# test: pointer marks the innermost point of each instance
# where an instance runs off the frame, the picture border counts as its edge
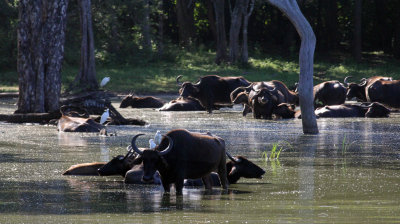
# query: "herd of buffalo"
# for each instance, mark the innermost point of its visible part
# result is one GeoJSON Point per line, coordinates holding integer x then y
{"type": "Point", "coordinates": [187, 158]}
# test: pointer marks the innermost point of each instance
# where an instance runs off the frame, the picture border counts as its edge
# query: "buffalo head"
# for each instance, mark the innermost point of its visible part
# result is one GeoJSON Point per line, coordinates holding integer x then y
{"type": "Point", "coordinates": [127, 101]}
{"type": "Point", "coordinates": [187, 89]}
{"type": "Point", "coordinates": [285, 110]}
{"type": "Point", "coordinates": [119, 164]}
{"type": "Point", "coordinates": [152, 158]}
{"type": "Point", "coordinates": [377, 110]}
{"type": "Point", "coordinates": [354, 89]}
{"type": "Point", "coordinates": [239, 166]}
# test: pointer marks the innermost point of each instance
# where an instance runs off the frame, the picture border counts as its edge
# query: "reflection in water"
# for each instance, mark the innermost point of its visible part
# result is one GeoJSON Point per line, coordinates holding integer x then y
{"type": "Point", "coordinates": [71, 139]}
{"type": "Point", "coordinates": [104, 150]}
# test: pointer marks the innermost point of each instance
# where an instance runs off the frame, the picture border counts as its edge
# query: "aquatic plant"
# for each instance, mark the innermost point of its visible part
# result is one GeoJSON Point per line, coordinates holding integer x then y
{"type": "Point", "coordinates": [346, 145]}
{"type": "Point", "coordinates": [275, 152]}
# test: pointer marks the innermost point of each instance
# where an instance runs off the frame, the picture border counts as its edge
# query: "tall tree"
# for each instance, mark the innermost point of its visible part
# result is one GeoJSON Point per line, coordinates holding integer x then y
{"type": "Point", "coordinates": [185, 14]}
{"type": "Point", "coordinates": [41, 37]}
{"type": "Point", "coordinates": [219, 9]}
{"type": "Point", "coordinates": [357, 30]}
{"type": "Point", "coordinates": [234, 30]}
{"type": "Point", "coordinates": [246, 15]}
{"type": "Point", "coordinates": [86, 78]}
{"type": "Point", "coordinates": [306, 61]}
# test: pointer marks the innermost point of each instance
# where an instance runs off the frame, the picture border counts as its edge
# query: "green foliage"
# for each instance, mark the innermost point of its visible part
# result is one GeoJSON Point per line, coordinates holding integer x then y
{"type": "Point", "coordinates": [276, 150]}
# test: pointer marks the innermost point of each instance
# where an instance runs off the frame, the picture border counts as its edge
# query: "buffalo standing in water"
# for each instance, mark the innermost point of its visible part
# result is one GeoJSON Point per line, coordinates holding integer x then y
{"type": "Point", "coordinates": [184, 155]}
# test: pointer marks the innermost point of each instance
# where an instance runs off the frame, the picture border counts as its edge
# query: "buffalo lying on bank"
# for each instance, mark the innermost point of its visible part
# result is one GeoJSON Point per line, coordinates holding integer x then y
{"type": "Point", "coordinates": [141, 102]}
{"type": "Point", "coordinates": [385, 92]}
{"type": "Point", "coordinates": [182, 104]}
{"type": "Point", "coordinates": [349, 110]}
{"type": "Point", "coordinates": [359, 91]}
{"type": "Point", "coordinates": [183, 155]}
{"type": "Point", "coordinates": [77, 121]}
{"type": "Point", "coordinates": [329, 93]}
{"type": "Point", "coordinates": [211, 90]}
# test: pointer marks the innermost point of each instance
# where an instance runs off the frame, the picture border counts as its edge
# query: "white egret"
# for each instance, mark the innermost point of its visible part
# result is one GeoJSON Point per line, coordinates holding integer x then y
{"type": "Point", "coordinates": [104, 116]}
{"type": "Point", "coordinates": [104, 81]}
{"type": "Point", "coordinates": [152, 144]}
{"type": "Point", "coordinates": [158, 137]}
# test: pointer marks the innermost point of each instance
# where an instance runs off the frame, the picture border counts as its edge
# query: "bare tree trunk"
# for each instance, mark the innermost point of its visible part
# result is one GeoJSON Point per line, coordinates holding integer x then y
{"type": "Point", "coordinates": [306, 61]}
{"type": "Point", "coordinates": [185, 14]}
{"type": "Point", "coordinates": [146, 26]}
{"type": "Point", "coordinates": [236, 23]}
{"type": "Point", "coordinates": [357, 30]}
{"type": "Point", "coordinates": [219, 8]}
{"type": "Point", "coordinates": [246, 15]}
{"type": "Point", "coordinates": [160, 43]}
{"type": "Point", "coordinates": [41, 37]}
{"type": "Point", "coordinates": [86, 78]}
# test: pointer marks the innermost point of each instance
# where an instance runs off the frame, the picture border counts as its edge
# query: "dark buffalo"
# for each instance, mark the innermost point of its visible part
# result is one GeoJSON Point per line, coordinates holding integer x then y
{"type": "Point", "coordinates": [212, 89]}
{"type": "Point", "coordinates": [236, 168]}
{"type": "Point", "coordinates": [141, 102]}
{"type": "Point", "coordinates": [329, 93]}
{"type": "Point", "coordinates": [359, 90]}
{"type": "Point", "coordinates": [87, 169]}
{"type": "Point", "coordinates": [385, 92]}
{"type": "Point", "coordinates": [285, 111]}
{"type": "Point", "coordinates": [184, 155]}
{"type": "Point", "coordinates": [351, 110]}
{"type": "Point", "coordinates": [183, 104]}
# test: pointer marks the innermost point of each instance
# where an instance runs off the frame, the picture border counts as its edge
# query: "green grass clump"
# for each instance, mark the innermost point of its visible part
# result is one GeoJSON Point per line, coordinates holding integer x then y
{"type": "Point", "coordinates": [275, 151]}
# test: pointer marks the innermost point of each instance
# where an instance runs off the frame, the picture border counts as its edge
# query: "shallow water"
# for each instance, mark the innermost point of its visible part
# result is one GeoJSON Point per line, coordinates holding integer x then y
{"type": "Point", "coordinates": [349, 173]}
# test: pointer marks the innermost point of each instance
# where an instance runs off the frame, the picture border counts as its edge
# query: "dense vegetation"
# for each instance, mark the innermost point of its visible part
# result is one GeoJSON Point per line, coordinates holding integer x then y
{"type": "Point", "coordinates": [123, 53]}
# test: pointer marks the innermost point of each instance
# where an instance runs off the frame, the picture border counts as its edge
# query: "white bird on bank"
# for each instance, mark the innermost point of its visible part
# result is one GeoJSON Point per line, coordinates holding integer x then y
{"type": "Point", "coordinates": [104, 81]}
{"type": "Point", "coordinates": [104, 116]}
{"type": "Point", "coordinates": [152, 144]}
{"type": "Point", "coordinates": [157, 137]}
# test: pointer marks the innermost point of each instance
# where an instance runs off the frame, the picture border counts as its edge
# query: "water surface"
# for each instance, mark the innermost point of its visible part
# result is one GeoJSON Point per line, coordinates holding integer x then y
{"type": "Point", "coordinates": [349, 173]}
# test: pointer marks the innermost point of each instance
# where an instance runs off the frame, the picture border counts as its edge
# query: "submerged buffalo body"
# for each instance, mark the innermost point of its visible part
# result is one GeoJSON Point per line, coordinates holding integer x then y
{"type": "Point", "coordinates": [183, 104]}
{"type": "Point", "coordinates": [236, 168]}
{"type": "Point", "coordinates": [350, 110]}
{"type": "Point", "coordinates": [78, 124]}
{"type": "Point", "coordinates": [212, 89]}
{"type": "Point", "coordinates": [141, 102]}
{"type": "Point", "coordinates": [385, 92]}
{"type": "Point", "coordinates": [329, 93]}
{"type": "Point", "coordinates": [184, 155]}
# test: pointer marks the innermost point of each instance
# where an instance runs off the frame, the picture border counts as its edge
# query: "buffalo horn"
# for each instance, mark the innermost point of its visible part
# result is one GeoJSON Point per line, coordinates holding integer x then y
{"type": "Point", "coordinates": [133, 144]}
{"type": "Point", "coordinates": [363, 82]}
{"type": "Point", "coordinates": [170, 145]}
{"type": "Point", "coordinates": [346, 80]}
{"type": "Point", "coordinates": [177, 80]}
{"type": "Point", "coordinates": [230, 157]}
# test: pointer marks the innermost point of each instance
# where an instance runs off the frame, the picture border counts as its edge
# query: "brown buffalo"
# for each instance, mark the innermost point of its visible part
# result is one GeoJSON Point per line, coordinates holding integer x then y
{"type": "Point", "coordinates": [86, 169]}
{"type": "Point", "coordinates": [385, 92]}
{"type": "Point", "coordinates": [329, 93]}
{"type": "Point", "coordinates": [141, 102]}
{"type": "Point", "coordinates": [78, 124]}
{"type": "Point", "coordinates": [359, 91]}
{"type": "Point", "coordinates": [184, 155]}
{"type": "Point", "coordinates": [351, 110]}
{"type": "Point", "coordinates": [211, 90]}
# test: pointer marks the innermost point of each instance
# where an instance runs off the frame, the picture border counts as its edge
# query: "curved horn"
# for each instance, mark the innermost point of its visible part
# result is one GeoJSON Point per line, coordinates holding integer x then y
{"type": "Point", "coordinates": [346, 80]}
{"type": "Point", "coordinates": [170, 145]}
{"type": "Point", "coordinates": [230, 157]}
{"type": "Point", "coordinates": [363, 82]}
{"type": "Point", "coordinates": [133, 144]}
{"type": "Point", "coordinates": [177, 80]}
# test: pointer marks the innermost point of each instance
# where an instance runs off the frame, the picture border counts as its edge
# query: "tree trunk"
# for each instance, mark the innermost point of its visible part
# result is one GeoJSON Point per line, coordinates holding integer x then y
{"type": "Point", "coordinates": [382, 26]}
{"type": "Point", "coordinates": [160, 37]}
{"type": "Point", "coordinates": [236, 23]}
{"type": "Point", "coordinates": [357, 30]}
{"type": "Point", "coordinates": [185, 14]}
{"type": "Point", "coordinates": [306, 61]}
{"type": "Point", "coordinates": [246, 15]}
{"type": "Point", "coordinates": [146, 26]}
{"type": "Point", "coordinates": [219, 8]}
{"type": "Point", "coordinates": [86, 78]}
{"type": "Point", "coordinates": [41, 37]}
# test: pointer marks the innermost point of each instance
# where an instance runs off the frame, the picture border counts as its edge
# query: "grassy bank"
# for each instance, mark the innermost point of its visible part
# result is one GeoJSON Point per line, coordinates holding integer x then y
{"type": "Point", "coordinates": [159, 77]}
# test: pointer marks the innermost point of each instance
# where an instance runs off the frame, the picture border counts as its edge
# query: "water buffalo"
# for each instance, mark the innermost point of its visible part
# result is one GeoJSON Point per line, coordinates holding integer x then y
{"type": "Point", "coordinates": [236, 168]}
{"type": "Point", "coordinates": [211, 89]}
{"type": "Point", "coordinates": [385, 92]}
{"type": "Point", "coordinates": [329, 93]}
{"type": "Point", "coordinates": [351, 110]}
{"type": "Point", "coordinates": [359, 91]}
{"type": "Point", "coordinates": [78, 124]}
{"type": "Point", "coordinates": [285, 111]}
{"type": "Point", "coordinates": [183, 104]}
{"type": "Point", "coordinates": [141, 102]}
{"type": "Point", "coordinates": [184, 155]}
{"type": "Point", "coordinates": [87, 169]}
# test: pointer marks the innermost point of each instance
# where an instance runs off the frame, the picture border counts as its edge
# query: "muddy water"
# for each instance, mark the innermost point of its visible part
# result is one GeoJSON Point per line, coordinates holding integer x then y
{"type": "Point", "coordinates": [349, 173]}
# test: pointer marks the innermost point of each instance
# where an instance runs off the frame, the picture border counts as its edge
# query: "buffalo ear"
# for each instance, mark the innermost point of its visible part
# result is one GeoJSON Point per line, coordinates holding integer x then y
{"type": "Point", "coordinates": [138, 160]}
